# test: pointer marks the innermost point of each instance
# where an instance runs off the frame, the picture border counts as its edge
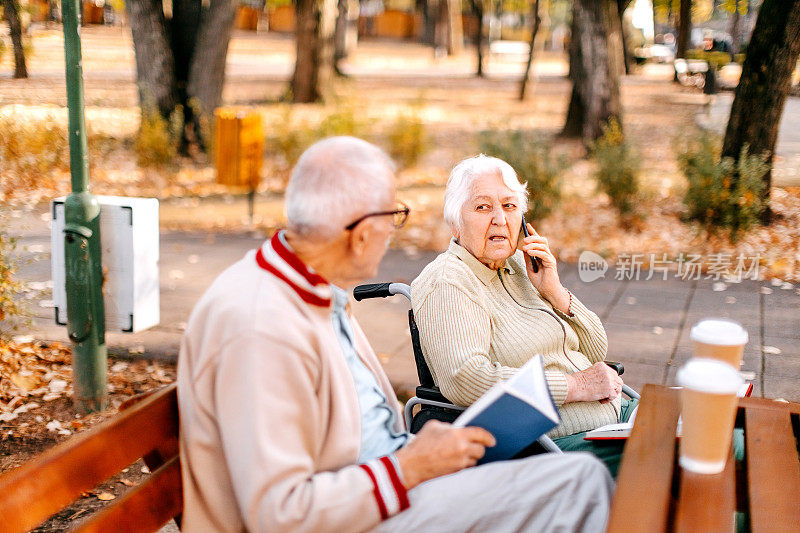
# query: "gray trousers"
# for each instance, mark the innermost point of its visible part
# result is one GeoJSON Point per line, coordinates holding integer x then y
{"type": "Point", "coordinates": [562, 493]}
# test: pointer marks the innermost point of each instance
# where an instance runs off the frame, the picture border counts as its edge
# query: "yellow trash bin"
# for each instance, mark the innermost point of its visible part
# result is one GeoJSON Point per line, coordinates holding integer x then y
{"type": "Point", "coordinates": [238, 147]}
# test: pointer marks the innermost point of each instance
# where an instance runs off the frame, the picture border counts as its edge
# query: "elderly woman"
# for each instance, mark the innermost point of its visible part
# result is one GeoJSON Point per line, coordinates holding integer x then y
{"type": "Point", "coordinates": [483, 311]}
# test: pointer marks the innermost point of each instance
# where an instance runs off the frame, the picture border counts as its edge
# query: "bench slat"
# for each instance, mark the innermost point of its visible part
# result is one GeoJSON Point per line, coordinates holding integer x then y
{"type": "Point", "coordinates": [773, 470]}
{"type": "Point", "coordinates": [707, 502]}
{"type": "Point", "coordinates": [34, 491]}
{"type": "Point", "coordinates": [646, 469]}
{"type": "Point", "coordinates": [143, 509]}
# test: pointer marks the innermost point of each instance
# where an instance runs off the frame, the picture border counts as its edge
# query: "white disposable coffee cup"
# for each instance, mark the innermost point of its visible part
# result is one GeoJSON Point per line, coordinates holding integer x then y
{"type": "Point", "coordinates": [719, 338]}
{"type": "Point", "coordinates": [708, 412]}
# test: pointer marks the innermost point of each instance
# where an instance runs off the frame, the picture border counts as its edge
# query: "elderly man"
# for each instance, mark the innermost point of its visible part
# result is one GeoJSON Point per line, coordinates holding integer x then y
{"type": "Point", "coordinates": [288, 422]}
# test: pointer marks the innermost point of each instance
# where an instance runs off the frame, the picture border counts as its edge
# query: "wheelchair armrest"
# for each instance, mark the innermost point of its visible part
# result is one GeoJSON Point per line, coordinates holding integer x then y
{"type": "Point", "coordinates": [431, 393]}
{"type": "Point", "coordinates": [618, 367]}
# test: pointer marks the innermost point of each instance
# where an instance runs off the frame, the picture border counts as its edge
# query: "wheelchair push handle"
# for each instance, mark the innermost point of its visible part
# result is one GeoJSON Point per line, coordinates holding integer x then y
{"type": "Point", "coordinates": [381, 290]}
{"type": "Point", "coordinates": [371, 290]}
{"type": "Point", "coordinates": [619, 368]}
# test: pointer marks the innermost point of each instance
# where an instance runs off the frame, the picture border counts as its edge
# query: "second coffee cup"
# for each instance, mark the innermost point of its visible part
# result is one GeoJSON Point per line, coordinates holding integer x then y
{"type": "Point", "coordinates": [721, 339]}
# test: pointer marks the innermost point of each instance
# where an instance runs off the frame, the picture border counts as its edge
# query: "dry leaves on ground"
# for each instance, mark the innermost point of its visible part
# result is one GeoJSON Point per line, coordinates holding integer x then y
{"type": "Point", "coordinates": [33, 375]}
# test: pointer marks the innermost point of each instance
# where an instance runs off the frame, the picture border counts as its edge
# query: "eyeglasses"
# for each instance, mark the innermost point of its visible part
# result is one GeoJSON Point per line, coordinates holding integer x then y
{"type": "Point", "coordinates": [399, 216]}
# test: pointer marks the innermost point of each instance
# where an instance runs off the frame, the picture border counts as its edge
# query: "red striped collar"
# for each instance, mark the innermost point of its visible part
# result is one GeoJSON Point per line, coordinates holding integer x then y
{"type": "Point", "coordinates": [275, 257]}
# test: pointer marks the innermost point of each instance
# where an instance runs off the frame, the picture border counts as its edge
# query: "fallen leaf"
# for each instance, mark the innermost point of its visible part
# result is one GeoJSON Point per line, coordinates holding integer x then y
{"type": "Point", "coordinates": [658, 330]}
{"type": "Point", "coordinates": [127, 482]}
{"type": "Point", "coordinates": [719, 286]}
{"type": "Point", "coordinates": [24, 382]}
{"type": "Point", "coordinates": [57, 385]}
{"type": "Point", "coordinates": [105, 496]}
{"type": "Point", "coordinates": [771, 350]}
{"type": "Point", "coordinates": [25, 408]}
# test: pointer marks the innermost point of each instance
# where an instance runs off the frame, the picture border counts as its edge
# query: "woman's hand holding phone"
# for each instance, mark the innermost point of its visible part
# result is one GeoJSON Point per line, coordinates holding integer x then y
{"type": "Point", "coordinates": [542, 269]}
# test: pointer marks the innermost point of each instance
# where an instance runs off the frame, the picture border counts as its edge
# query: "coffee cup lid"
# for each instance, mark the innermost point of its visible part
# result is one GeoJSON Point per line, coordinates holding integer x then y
{"type": "Point", "coordinates": [719, 331]}
{"type": "Point", "coordinates": [709, 375]}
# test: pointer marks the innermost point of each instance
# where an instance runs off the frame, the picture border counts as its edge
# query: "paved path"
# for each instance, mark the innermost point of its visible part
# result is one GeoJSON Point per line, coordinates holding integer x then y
{"type": "Point", "coordinates": [787, 162]}
{"type": "Point", "coordinates": [647, 322]}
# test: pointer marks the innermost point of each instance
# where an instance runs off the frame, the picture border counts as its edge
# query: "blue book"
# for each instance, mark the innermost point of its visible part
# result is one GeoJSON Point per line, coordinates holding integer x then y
{"type": "Point", "coordinates": [517, 412]}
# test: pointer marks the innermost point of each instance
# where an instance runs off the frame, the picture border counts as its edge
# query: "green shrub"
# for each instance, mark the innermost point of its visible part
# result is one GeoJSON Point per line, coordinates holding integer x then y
{"type": "Point", "coordinates": [408, 139]}
{"type": "Point", "coordinates": [12, 312]}
{"type": "Point", "coordinates": [617, 169]}
{"type": "Point", "coordinates": [342, 121]}
{"type": "Point", "coordinates": [157, 139]}
{"type": "Point", "coordinates": [722, 193]}
{"type": "Point", "coordinates": [530, 156]}
{"type": "Point", "coordinates": [290, 137]}
{"type": "Point", "coordinates": [716, 58]}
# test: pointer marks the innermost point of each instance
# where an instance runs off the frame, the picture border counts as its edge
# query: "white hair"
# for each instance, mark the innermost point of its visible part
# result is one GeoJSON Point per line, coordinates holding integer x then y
{"type": "Point", "coordinates": [334, 182]}
{"type": "Point", "coordinates": [464, 174]}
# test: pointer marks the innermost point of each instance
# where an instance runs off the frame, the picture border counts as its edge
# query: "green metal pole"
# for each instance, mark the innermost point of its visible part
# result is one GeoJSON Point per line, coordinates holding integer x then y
{"type": "Point", "coordinates": [84, 274]}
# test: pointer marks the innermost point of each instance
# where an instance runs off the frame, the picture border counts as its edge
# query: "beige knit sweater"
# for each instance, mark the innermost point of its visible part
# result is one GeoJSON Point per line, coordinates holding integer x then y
{"type": "Point", "coordinates": [478, 326]}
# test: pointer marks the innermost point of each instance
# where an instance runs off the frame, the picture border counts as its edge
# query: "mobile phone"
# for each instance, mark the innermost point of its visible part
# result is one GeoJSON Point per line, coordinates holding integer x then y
{"type": "Point", "coordinates": [534, 260]}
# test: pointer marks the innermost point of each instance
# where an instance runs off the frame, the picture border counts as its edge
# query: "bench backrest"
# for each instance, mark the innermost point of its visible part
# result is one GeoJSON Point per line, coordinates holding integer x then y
{"type": "Point", "coordinates": [146, 429]}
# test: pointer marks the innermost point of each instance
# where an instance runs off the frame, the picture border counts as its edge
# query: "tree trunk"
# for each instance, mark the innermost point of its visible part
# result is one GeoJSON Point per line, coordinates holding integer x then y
{"type": "Point", "coordinates": [595, 63]}
{"type": "Point", "coordinates": [449, 33]}
{"type": "Point", "coordinates": [340, 36]}
{"type": "Point", "coordinates": [622, 5]}
{"type": "Point", "coordinates": [477, 9]}
{"type": "Point", "coordinates": [440, 26]}
{"type": "Point", "coordinates": [207, 67]}
{"type": "Point", "coordinates": [346, 33]}
{"type": "Point", "coordinates": [534, 30]}
{"type": "Point", "coordinates": [181, 64]}
{"type": "Point", "coordinates": [155, 63]}
{"type": "Point", "coordinates": [455, 28]}
{"type": "Point", "coordinates": [765, 82]}
{"type": "Point", "coordinates": [316, 21]}
{"type": "Point", "coordinates": [15, 27]}
{"type": "Point", "coordinates": [183, 38]}
{"type": "Point", "coordinates": [430, 14]}
{"type": "Point", "coordinates": [684, 28]}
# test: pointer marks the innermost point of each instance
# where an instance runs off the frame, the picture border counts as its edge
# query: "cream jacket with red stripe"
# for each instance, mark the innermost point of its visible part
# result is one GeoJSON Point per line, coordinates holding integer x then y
{"type": "Point", "coordinates": [270, 428]}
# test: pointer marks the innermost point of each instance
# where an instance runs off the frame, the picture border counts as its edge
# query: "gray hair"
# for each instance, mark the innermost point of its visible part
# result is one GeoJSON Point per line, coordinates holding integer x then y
{"type": "Point", "coordinates": [464, 174]}
{"type": "Point", "coordinates": [335, 181]}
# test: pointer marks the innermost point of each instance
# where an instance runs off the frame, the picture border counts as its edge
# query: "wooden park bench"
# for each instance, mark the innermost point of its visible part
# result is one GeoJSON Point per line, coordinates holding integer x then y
{"type": "Point", "coordinates": [147, 428]}
{"type": "Point", "coordinates": [765, 486]}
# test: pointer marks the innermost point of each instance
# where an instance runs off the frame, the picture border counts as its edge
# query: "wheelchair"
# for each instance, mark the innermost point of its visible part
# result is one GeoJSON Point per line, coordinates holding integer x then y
{"type": "Point", "coordinates": [433, 404]}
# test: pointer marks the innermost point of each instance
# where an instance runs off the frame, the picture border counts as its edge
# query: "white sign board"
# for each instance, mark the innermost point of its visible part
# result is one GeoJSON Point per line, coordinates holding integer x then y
{"type": "Point", "coordinates": [130, 247]}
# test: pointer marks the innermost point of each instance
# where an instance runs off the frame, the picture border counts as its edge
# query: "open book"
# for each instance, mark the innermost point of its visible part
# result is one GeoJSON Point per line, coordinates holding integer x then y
{"type": "Point", "coordinates": [517, 412]}
{"type": "Point", "coordinates": [623, 429]}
